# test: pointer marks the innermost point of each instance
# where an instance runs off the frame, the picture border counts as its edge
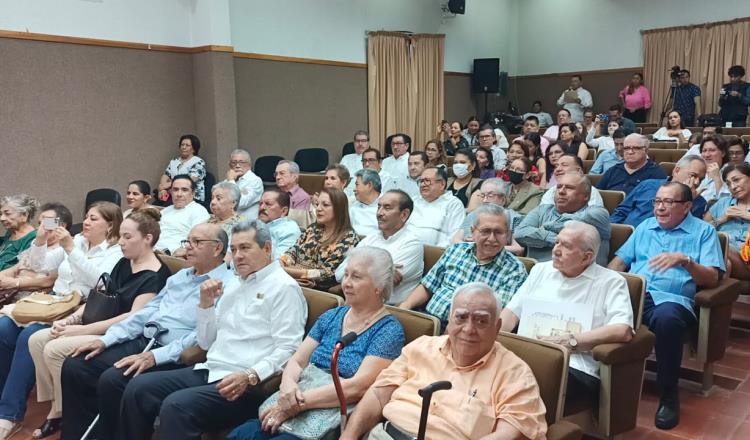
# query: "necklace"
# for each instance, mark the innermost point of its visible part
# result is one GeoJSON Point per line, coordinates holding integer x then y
{"type": "Point", "coordinates": [362, 326]}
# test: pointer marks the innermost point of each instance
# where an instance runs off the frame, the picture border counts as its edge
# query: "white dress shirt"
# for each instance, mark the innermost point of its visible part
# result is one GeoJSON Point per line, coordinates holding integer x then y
{"type": "Point", "coordinates": [502, 141]}
{"type": "Point", "coordinates": [410, 186]}
{"type": "Point", "coordinates": [406, 251]}
{"type": "Point", "coordinates": [257, 323]}
{"type": "Point", "coordinates": [353, 163]}
{"type": "Point", "coordinates": [595, 200]}
{"type": "Point", "coordinates": [576, 109]}
{"type": "Point", "coordinates": [398, 168]}
{"type": "Point", "coordinates": [499, 158]}
{"type": "Point", "coordinates": [251, 188]}
{"type": "Point", "coordinates": [78, 271]}
{"type": "Point", "coordinates": [604, 289]}
{"type": "Point", "coordinates": [434, 223]}
{"type": "Point", "coordinates": [176, 224]}
{"type": "Point", "coordinates": [388, 181]}
{"type": "Point", "coordinates": [364, 217]}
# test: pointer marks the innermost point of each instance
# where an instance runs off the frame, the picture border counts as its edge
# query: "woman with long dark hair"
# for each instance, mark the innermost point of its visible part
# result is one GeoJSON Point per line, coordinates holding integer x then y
{"type": "Point", "coordinates": [636, 99]}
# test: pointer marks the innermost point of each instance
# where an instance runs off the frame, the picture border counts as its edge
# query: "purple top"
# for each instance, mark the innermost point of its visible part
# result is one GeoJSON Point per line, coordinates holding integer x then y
{"type": "Point", "coordinates": [299, 198]}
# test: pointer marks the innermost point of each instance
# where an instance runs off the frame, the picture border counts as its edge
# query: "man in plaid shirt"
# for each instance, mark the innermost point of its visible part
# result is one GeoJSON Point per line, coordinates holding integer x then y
{"type": "Point", "coordinates": [484, 260]}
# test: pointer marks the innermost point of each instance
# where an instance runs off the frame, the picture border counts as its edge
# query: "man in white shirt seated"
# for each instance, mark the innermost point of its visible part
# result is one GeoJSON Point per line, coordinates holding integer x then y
{"type": "Point", "coordinates": [363, 211]}
{"type": "Point", "coordinates": [353, 161]}
{"type": "Point", "coordinates": [570, 163]}
{"type": "Point", "coordinates": [488, 139]}
{"type": "Point", "coordinates": [397, 165]}
{"type": "Point", "coordinates": [251, 327]}
{"type": "Point", "coordinates": [573, 279]}
{"type": "Point", "coordinates": [575, 99]}
{"type": "Point", "coordinates": [553, 131]}
{"type": "Point", "coordinates": [178, 219]}
{"type": "Point", "coordinates": [274, 212]}
{"type": "Point", "coordinates": [543, 118]}
{"type": "Point", "coordinates": [407, 252]}
{"type": "Point", "coordinates": [373, 160]}
{"type": "Point", "coordinates": [251, 186]}
{"type": "Point", "coordinates": [437, 213]}
{"type": "Point", "coordinates": [417, 162]}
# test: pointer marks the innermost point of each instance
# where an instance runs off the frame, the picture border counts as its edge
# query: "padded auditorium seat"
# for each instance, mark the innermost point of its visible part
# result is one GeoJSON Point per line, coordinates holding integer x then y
{"type": "Point", "coordinates": [265, 166]}
{"type": "Point", "coordinates": [311, 160]}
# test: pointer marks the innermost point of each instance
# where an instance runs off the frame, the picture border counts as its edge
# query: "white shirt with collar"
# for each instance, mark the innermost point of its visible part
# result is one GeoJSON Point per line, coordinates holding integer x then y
{"type": "Point", "coordinates": [604, 289]}
{"type": "Point", "coordinates": [257, 323]}
{"type": "Point", "coordinates": [595, 200]}
{"type": "Point", "coordinates": [406, 250]}
{"type": "Point", "coordinates": [576, 109]}
{"type": "Point", "coordinates": [388, 181]}
{"type": "Point", "coordinates": [176, 224]}
{"type": "Point", "coordinates": [364, 217]}
{"type": "Point", "coordinates": [434, 223]}
{"type": "Point", "coordinates": [78, 271]}
{"type": "Point", "coordinates": [410, 186]}
{"type": "Point", "coordinates": [398, 168]}
{"type": "Point", "coordinates": [251, 189]}
{"type": "Point", "coordinates": [353, 163]}
{"type": "Point", "coordinates": [499, 158]}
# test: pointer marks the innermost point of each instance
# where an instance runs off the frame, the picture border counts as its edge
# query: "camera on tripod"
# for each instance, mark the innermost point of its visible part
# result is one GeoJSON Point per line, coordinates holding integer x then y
{"type": "Point", "coordinates": [674, 74]}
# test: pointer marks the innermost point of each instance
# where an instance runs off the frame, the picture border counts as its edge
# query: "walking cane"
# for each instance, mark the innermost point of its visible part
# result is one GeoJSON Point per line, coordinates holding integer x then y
{"type": "Point", "coordinates": [158, 330]}
{"type": "Point", "coordinates": [426, 394]}
{"type": "Point", "coordinates": [343, 342]}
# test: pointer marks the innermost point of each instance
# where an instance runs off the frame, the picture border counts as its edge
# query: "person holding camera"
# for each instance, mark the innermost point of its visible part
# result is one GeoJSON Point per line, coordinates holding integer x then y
{"type": "Point", "coordinates": [687, 97]}
{"type": "Point", "coordinates": [734, 98]}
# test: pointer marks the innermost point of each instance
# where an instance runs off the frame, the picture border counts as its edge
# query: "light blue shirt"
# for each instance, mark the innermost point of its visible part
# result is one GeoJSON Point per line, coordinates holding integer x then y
{"type": "Point", "coordinates": [736, 228]}
{"type": "Point", "coordinates": [707, 188]}
{"type": "Point", "coordinates": [693, 237]}
{"type": "Point", "coordinates": [605, 160]}
{"type": "Point", "coordinates": [284, 234]}
{"type": "Point", "coordinates": [175, 309]}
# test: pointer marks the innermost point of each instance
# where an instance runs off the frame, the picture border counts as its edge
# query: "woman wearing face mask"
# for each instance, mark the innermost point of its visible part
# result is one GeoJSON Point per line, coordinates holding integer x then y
{"type": "Point", "coordinates": [536, 157]}
{"type": "Point", "coordinates": [465, 170]}
{"type": "Point", "coordinates": [485, 163]}
{"type": "Point", "coordinates": [524, 195]}
{"type": "Point", "coordinates": [602, 142]}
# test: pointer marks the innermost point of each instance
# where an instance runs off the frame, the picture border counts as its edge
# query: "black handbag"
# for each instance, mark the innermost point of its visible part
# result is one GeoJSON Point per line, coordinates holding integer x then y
{"type": "Point", "coordinates": [103, 301]}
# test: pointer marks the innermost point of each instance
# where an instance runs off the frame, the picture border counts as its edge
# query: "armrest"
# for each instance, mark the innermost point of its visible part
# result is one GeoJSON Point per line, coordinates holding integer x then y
{"type": "Point", "coordinates": [638, 348]}
{"type": "Point", "coordinates": [725, 293]}
{"type": "Point", "coordinates": [564, 430]}
{"type": "Point", "coordinates": [193, 355]}
{"type": "Point", "coordinates": [269, 386]}
{"type": "Point", "coordinates": [336, 290]}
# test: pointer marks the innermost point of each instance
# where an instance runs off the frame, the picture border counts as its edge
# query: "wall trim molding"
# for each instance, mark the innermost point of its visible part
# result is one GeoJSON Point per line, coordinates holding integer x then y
{"type": "Point", "coordinates": [579, 72]}
{"type": "Point", "coordinates": [286, 59]}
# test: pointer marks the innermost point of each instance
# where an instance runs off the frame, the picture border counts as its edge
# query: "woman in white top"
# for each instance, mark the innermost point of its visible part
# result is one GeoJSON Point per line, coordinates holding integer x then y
{"type": "Point", "coordinates": [602, 142]}
{"type": "Point", "coordinates": [137, 197]}
{"type": "Point", "coordinates": [674, 131]}
{"type": "Point", "coordinates": [188, 163]}
{"type": "Point", "coordinates": [79, 261]}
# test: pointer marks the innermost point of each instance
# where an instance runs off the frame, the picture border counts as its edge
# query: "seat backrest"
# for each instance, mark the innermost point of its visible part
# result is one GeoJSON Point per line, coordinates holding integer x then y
{"type": "Point", "coordinates": [668, 167]}
{"type": "Point", "coordinates": [103, 195]}
{"type": "Point", "coordinates": [594, 178]}
{"type": "Point", "coordinates": [311, 183]}
{"type": "Point", "coordinates": [173, 263]}
{"type": "Point", "coordinates": [208, 183]}
{"type": "Point", "coordinates": [587, 165]}
{"type": "Point", "coordinates": [637, 290]}
{"type": "Point", "coordinates": [528, 263]}
{"type": "Point", "coordinates": [724, 242]}
{"type": "Point", "coordinates": [611, 199]}
{"type": "Point", "coordinates": [431, 255]}
{"type": "Point", "coordinates": [311, 160]}
{"type": "Point", "coordinates": [649, 130]}
{"type": "Point", "coordinates": [265, 166]}
{"type": "Point", "coordinates": [620, 234]}
{"type": "Point", "coordinates": [663, 145]}
{"type": "Point", "coordinates": [662, 155]}
{"type": "Point", "coordinates": [591, 155]}
{"type": "Point", "coordinates": [347, 149]}
{"type": "Point", "coordinates": [318, 303]}
{"type": "Point", "coordinates": [549, 363]}
{"type": "Point", "coordinates": [415, 324]}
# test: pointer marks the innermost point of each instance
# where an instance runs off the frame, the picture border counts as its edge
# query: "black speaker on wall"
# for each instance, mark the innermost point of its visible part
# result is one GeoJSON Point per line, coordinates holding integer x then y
{"type": "Point", "coordinates": [457, 6]}
{"type": "Point", "coordinates": [486, 76]}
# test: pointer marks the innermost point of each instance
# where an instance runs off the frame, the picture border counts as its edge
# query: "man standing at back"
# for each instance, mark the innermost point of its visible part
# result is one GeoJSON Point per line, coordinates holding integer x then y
{"type": "Point", "coordinates": [251, 186]}
{"type": "Point", "coordinates": [287, 178]}
{"type": "Point", "coordinates": [398, 164]}
{"type": "Point", "coordinates": [177, 220]}
{"type": "Point", "coordinates": [575, 99]}
{"type": "Point", "coordinates": [687, 98]}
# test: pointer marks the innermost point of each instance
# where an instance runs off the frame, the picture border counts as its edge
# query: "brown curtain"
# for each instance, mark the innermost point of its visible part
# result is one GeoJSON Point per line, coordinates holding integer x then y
{"type": "Point", "coordinates": [707, 51]}
{"type": "Point", "coordinates": [404, 86]}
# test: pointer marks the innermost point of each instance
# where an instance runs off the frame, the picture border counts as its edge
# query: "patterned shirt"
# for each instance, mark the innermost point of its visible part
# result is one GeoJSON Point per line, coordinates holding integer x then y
{"type": "Point", "coordinates": [684, 101]}
{"type": "Point", "coordinates": [310, 254]}
{"type": "Point", "coordinates": [459, 265]}
{"type": "Point", "coordinates": [195, 167]}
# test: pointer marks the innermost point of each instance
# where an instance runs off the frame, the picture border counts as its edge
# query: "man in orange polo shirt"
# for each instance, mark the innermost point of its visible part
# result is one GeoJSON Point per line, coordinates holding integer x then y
{"type": "Point", "coordinates": [494, 393]}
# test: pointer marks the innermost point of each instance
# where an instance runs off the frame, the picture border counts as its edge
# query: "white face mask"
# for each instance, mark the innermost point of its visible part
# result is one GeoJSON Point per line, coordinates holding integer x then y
{"type": "Point", "coordinates": [460, 169]}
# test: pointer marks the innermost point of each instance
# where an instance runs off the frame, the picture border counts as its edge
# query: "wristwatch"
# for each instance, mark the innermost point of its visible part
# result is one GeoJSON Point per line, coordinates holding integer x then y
{"type": "Point", "coordinates": [252, 377]}
{"type": "Point", "coordinates": [688, 262]}
{"type": "Point", "coordinates": [573, 343]}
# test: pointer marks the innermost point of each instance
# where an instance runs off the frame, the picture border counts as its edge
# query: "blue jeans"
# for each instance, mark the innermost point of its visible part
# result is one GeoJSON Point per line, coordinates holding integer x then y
{"type": "Point", "coordinates": [251, 430]}
{"type": "Point", "coordinates": [16, 368]}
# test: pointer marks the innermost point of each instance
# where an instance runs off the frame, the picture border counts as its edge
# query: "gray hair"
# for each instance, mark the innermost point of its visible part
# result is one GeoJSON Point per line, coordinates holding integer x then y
{"type": "Point", "coordinates": [687, 160]}
{"type": "Point", "coordinates": [262, 233]}
{"type": "Point", "coordinates": [478, 288]}
{"type": "Point", "coordinates": [293, 167]}
{"type": "Point", "coordinates": [241, 152]}
{"type": "Point", "coordinates": [23, 204]}
{"type": "Point", "coordinates": [584, 182]}
{"type": "Point", "coordinates": [639, 138]}
{"type": "Point", "coordinates": [369, 176]}
{"type": "Point", "coordinates": [232, 189]}
{"type": "Point", "coordinates": [379, 266]}
{"type": "Point", "coordinates": [499, 185]}
{"type": "Point", "coordinates": [588, 235]}
{"type": "Point", "coordinates": [491, 209]}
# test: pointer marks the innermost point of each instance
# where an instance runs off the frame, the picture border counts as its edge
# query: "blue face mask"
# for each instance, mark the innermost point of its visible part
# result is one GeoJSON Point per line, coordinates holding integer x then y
{"type": "Point", "coordinates": [460, 169]}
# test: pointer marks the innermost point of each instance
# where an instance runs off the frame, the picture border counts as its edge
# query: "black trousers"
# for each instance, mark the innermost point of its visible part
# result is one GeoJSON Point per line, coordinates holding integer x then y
{"type": "Point", "coordinates": [187, 406]}
{"type": "Point", "coordinates": [582, 384]}
{"type": "Point", "coordinates": [635, 116]}
{"type": "Point", "coordinates": [95, 386]}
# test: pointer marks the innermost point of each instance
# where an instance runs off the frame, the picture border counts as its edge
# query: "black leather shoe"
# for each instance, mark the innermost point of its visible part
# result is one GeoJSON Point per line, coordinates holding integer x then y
{"type": "Point", "coordinates": [668, 412]}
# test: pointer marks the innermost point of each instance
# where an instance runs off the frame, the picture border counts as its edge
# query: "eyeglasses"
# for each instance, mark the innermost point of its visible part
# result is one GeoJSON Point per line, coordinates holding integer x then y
{"type": "Point", "coordinates": [485, 233]}
{"type": "Point", "coordinates": [736, 153]}
{"type": "Point", "coordinates": [481, 320]}
{"type": "Point", "coordinates": [427, 181]}
{"type": "Point", "coordinates": [234, 163]}
{"type": "Point", "coordinates": [485, 136]}
{"type": "Point", "coordinates": [668, 203]}
{"type": "Point", "coordinates": [370, 160]}
{"type": "Point", "coordinates": [633, 148]}
{"type": "Point", "coordinates": [194, 242]}
{"type": "Point", "coordinates": [398, 143]}
{"type": "Point", "coordinates": [490, 195]}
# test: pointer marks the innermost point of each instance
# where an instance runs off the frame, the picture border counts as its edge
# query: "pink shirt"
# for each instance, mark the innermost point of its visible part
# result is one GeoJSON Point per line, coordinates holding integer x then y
{"type": "Point", "coordinates": [299, 198]}
{"type": "Point", "coordinates": [641, 98]}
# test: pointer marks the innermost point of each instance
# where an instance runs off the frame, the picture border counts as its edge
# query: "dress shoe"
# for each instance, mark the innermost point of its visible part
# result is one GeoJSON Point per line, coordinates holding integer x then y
{"type": "Point", "coordinates": [668, 412]}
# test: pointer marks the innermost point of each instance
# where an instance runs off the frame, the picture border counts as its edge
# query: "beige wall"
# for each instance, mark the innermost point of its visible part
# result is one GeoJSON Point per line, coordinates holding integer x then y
{"type": "Point", "coordinates": [77, 117]}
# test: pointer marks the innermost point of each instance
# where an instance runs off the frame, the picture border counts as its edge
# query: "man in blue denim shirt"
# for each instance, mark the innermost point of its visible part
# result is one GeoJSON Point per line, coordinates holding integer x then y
{"type": "Point", "coordinates": [676, 253]}
{"type": "Point", "coordinates": [112, 360]}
